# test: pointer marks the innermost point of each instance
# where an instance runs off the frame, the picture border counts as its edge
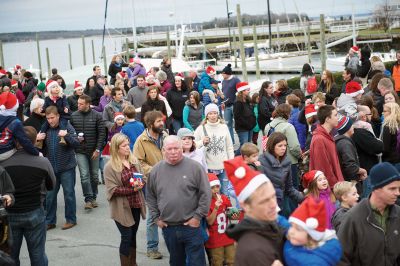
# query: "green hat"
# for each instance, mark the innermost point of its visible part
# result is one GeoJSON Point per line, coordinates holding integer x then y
{"type": "Point", "coordinates": [41, 86]}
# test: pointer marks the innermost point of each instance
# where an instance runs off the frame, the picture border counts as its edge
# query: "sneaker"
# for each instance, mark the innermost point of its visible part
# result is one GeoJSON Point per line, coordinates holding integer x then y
{"type": "Point", "coordinates": [95, 204]}
{"type": "Point", "coordinates": [88, 205]}
{"type": "Point", "coordinates": [68, 226]}
{"type": "Point", "coordinates": [154, 254]}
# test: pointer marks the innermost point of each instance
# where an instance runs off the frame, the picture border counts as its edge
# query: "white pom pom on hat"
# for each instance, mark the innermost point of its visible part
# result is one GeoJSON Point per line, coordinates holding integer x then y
{"type": "Point", "coordinates": [240, 172]}
{"type": "Point", "coordinates": [312, 223]}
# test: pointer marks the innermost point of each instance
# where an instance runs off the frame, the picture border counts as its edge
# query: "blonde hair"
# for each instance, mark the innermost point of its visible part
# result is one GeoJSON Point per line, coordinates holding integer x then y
{"type": "Point", "coordinates": [342, 188]}
{"type": "Point", "coordinates": [392, 121]}
{"type": "Point", "coordinates": [116, 162]}
{"type": "Point", "coordinates": [318, 95]}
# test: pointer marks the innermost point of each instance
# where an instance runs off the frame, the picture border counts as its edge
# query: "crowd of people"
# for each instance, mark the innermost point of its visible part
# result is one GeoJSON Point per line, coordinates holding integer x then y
{"type": "Point", "coordinates": [232, 176]}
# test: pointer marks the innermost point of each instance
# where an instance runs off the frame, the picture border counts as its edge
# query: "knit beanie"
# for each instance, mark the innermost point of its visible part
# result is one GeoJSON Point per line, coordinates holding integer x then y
{"type": "Point", "coordinates": [382, 174]}
{"type": "Point", "coordinates": [227, 70]}
{"type": "Point", "coordinates": [41, 86]}
{"type": "Point", "coordinates": [344, 124]}
{"type": "Point", "coordinates": [212, 107]}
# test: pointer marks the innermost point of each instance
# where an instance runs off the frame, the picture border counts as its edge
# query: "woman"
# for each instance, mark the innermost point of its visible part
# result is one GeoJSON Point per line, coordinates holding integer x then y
{"type": "Point", "coordinates": [115, 67]}
{"type": "Point", "coordinates": [213, 134]}
{"type": "Point", "coordinates": [165, 85]}
{"type": "Point", "coordinates": [243, 114]}
{"type": "Point", "coordinates": [125, 195]}
{"type": "Point", "coordinates": [177, 97]}
{"type": "Point", "coordinates": [37, 118]}
{"type": "Point", "coordinates": [189, 147]}
{"type": "Point", "coordinates": [267, 104]}
{"type": "Point", "coordinates": [300, 128]}
{"type": "Point", "coordinates": [391, 97]}
{"type": "Point", "coordinates": [120, 84]}
{"type": "Point", "coordinates": [376, 122]}
{"type": "Point", "coordinates": [104, 100]}
{"type": "Point", "coordinates": [277, 166]}
{"type": "Point", "coordinates": [328, 87]}
{"type": "Point", "coordinates": [153, 103]}
{"type": "Point", "coordinates": [390, 128]}
{"type": "Point", "coordinates": [193, 111]}
{"type": "Point", "coordinates": [306, 80]}
{"type": "Point", "coordinates": [282, 90]}
{"type": "Point", "coordinates": [167, 68]}
{"type": "Point", "coordinates": [73, 99]}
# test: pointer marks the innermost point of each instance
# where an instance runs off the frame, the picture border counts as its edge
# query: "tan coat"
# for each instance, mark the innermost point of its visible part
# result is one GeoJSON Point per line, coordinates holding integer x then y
{"type": "Point", "coordinates": [147, 152]}
{"type": "Point", "coordinates": [119, 206]}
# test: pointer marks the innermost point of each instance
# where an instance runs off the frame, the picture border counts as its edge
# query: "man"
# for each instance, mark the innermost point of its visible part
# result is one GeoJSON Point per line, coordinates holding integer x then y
{"type": "Point", "coordinates": [73, 99]}
{"type": "Point", "coordinates": [138, 95]}
{"type": "Point", "coordinates": [147, 150]}
{"type": "Point", "coordinates": [385, 85]}
{"type": "Point", "coordinates": [396, 73]}
{"type": "Point", "coordinates": [369, 233]}
{"type": "Point", "coordinates": [91, 134]}
{"type": "Point", "coordinates": [347, 153]}
{"type": "Point", "coordinates": [96, 73]}
{"type": "Point", "coordinates": [27, 216]}
{"type": "Point", "coordinates": [323, 153]}
{"type": "Point", "coordinates": [195, 78]}
{"type": "Point", "coordinates": [179, 196]}
{"type": "Point", "coordinates": [116, 105]}
{"type": "Point", "coordinates": [229, 90]}
{"type": "Point", "coordinates": [348, 75]}
{"type": "Point", "coordinates": [97, 91]}
{"type": "Point", "coordinates": [259, 238]}
{"type": "Point", "coordinates": [62, 158]}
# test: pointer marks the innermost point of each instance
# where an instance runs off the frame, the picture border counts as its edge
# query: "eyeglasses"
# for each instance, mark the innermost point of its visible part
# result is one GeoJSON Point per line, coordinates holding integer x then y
{"type": "Point", "coordinates": [368, 114]}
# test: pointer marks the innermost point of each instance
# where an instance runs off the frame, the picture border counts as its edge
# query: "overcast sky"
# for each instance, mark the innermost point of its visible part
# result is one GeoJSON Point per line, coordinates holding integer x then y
{"type": "Point", "coordinates": [41, 15]}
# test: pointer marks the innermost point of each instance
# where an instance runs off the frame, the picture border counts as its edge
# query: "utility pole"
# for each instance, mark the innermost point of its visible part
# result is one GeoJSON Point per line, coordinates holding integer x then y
{"type": "Point", "coordinates": [269, 26]}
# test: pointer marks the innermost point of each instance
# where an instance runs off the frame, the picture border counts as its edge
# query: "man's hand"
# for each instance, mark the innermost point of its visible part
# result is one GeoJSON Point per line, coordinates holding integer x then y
{"type": "Point", "coordinates": [65, 110]}
{"type": "Point", "coordinates": [161, 224]}
{"type": "Point", "coordinates": [362, 174]}
{"type": "Point", "coordinates": [193, 222]}
{"type": "Point", "coordinates": [62, 133]}
{"type": "Point", "coordinates": [7, 200]}
{"type": "Point", "coordinates": [40, 136]}
{"type": "Point", "coordinates": [95, 155]}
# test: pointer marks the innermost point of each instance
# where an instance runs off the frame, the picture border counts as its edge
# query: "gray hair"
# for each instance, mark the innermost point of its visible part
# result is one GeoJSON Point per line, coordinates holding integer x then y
{"type": "Point", "coordinates": [161, 75]}
{"type": "Point", "coordinates": [35, 103]}
{"type": "Point", "coordinates": [172, 139]}
{"type": "Point", "coordinates": [385, 83]}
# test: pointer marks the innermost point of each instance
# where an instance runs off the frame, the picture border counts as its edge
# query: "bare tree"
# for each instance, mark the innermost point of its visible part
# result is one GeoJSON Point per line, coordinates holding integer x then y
{"type": "Point", "coordinates": [384, 15]}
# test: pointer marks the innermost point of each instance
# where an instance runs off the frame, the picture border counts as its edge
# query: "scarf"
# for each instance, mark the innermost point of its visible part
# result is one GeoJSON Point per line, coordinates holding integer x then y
{"type": "Point", "coordinates": [117, 107]}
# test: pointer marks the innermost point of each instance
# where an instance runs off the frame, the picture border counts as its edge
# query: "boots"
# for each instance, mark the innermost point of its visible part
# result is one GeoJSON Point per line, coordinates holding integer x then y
{"type": "Point", "coordinates": [132, 257]}
{"type": "Point", "coordinates": [124, 260]}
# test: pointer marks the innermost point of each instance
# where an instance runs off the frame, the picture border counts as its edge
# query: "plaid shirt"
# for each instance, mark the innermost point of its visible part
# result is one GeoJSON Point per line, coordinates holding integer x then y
{"type": "Point", "coordinates": [134, 199]}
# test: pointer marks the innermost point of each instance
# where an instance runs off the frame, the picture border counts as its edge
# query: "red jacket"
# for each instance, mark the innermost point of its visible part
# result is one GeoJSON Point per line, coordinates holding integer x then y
{"type": "Point", "coordinates": [323, 156]}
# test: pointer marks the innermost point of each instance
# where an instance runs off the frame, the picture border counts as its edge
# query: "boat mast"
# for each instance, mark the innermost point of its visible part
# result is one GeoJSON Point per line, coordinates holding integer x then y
{"type": "Point", "coordinates": [104, 28]}
{"type": "Point", "coordinates": [134, 27]}
{"type": "Point", "coordinates": [269, 26]}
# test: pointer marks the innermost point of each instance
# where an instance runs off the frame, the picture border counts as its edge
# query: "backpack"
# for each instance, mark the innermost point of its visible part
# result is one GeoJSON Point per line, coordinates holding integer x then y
{"type": "Point", "coordinates": [398, 141]}
{"type": "Point", "coordinates": [311, 85]}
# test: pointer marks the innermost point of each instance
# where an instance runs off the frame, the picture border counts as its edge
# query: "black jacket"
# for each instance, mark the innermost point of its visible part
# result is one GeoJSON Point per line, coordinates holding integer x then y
{"type": "Point", "coordinates": [281, 96]}
{"type": "Point", "coordinates": [364, 242]}
{"type": "Point", "coordinates": [6, 184]}
{"type": "Point", "coordinates": [35, 121]}
{"type": "Point", "coordinates": [151, 105]}
{"type": "Point", "coordinates": [92, 125]}
{"type": "Point", "coordinates": [348, 158]}
{"type": "Point", "coordinates": [113, 69]}
{"type": "Point", "coordinates": [332, 94]}
{"type": "Point", "coordinates": [29, 85]}
{"type": "Point", "coordinates": [73, 102]}
{"type": "Point", "coordinates": [368, 147]}
{"type": "Point", "coordinates": [245, 119]}
{"type": "Point", "coordinates": [177, 100]}
{"type": "Point", "coordinates": [258, 242]}
{"type": "Point", "coordinates": [95, 93]}
{"type": "Point", "coordinates": [390, 153]}
{"type": "Point", "coordinates": [265, 109]}
{"type": "Point", "coordinates": [364, 68]}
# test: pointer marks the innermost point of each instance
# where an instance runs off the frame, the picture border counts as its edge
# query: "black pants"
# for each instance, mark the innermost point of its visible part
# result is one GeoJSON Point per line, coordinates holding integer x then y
{"type": "Point", "coordinates": [128, 234]}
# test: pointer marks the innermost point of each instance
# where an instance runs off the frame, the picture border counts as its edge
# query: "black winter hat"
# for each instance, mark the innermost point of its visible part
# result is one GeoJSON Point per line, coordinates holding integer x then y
{"type": "Point", "coordinates": [227, 70]}
{"type": "Point", "coordinates": [383, 174]}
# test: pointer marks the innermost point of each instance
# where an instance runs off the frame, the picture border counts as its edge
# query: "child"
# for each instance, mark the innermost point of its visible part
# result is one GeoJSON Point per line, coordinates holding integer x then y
{"type": "Point", "coordinates": [347, 102]}
{"type": "Point", "coordinates": [209, 94]}
{"type": "Point", "coordinates": [11, 128]}
{"type": "Point", "coordinates": [132, 128]}
{"type": "Point", "coordinates": [57, 98]}
{"type": "Point", "coordinates": [254, 101]}
{"type": "Point", "coordinates": [119, 120]}
{"type": "Point", "coordinates": [309, 241]}
{"type": "Point", "coordinates": [219, 246]}
{"type": "Point", "coordinates": [316, 185]}
{"type": "Point", "coordinates": [250, 152]}
{"type": "Point", "coordinates": [346, 193]}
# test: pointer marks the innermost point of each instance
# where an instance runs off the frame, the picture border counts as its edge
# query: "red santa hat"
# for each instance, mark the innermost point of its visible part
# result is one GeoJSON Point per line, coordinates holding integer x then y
{"type": "Point", "coordinates": [355, 49]}
{"type": "Point", "coordinates": [244, 179]}
{"type": "Point", "coordinates": [130, 60]}
{"type": "Point", "coordinates": [213, 179]}
{"type": "Point", "coordinates": [311, 216]}
{"type": "Point", "coordinates": [17, 67]}
{"type": "Point", "coordinates": [242, 86]}
{"type": "Point", "coordinates": [179, 76]}
{"type": "Point", "coordinates": [118, 115]}
{"type": "Point", "coordinates": [2, 72]}
{"type": "Point", "coordinates": [353, 88]}
{"type": "Point", "coordinates": [77, 85]}
{"type": "Point", "coordinates": [310, 110]}
{"type": "Point", "coordinates": [309, 177]}
{"type": "Point", "coordinates": [51, 83]}
{"type": "Point", "coordinates": [210, 70]}
{"type": "Point", "coordinates": [8, 101]}
{"type": "Point", "coordinates": [14, 83]}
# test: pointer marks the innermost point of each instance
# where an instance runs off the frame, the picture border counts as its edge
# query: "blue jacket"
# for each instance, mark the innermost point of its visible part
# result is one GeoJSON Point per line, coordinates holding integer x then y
{"type": "Point", "coordinates": [328, 254]}
{"type": "Point", "coordinates": [196, 82]}
{"type": "Point", "coordinates": [204, 83]}
{"type": "Point", "coordinates": [301, 129]}
{"type": "Point", "coordinates": [60, 103]}
{"type": "Point", "coordinates": [133, 130]}
{"type": "Point", "coordinates": [62, 158]}
{"type": "Point", "coordinates": [12, 130]}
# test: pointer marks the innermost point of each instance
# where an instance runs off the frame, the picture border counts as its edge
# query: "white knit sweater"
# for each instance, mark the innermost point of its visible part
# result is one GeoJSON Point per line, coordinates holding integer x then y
{"type": "Point", "coordinates": [220, 147]}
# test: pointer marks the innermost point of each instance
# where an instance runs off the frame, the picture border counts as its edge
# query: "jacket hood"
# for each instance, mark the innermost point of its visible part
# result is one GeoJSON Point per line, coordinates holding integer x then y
{"type": "Point", "coordinates": [269, 230]}
{"type": "Point", "coordinates": [204, 75]}
{"type": "Point", "coordinates": [5, 121]}
{"type": "Point", "coordinates": [278, 120]}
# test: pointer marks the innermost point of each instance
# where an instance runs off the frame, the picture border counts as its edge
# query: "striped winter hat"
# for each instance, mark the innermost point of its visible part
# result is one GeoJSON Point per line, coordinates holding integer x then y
{"type": "Point", "coordinates": [344, 124]}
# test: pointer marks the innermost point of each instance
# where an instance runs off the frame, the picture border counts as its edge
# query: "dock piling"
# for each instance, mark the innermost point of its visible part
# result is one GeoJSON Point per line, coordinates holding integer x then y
{"type": "Point", "coordinates": [241, 41]}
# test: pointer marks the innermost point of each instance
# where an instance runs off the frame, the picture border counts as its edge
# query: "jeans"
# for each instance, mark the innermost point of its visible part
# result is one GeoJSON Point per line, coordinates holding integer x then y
{"type": "Point", "coordinates": [228, 117]}
{"type": "Point", "coordinates": [67, 180]}
{"type": "Point", "coordinates": [89, 171]}
{"type": "Point", "coordinates": [184, 241]}
{"type": "Point", "coordinates": [102, 163]}
{"type": "Point", "coordinates": [128, 234]}
{"type": "Point", "coordinates": [244, 136]}
{"type": "Point", "coordinates": [177, 124]}
{"type": "Point", "coordinates": [32, 226]}
{"type": "Point", "coordinates": [151, 234]}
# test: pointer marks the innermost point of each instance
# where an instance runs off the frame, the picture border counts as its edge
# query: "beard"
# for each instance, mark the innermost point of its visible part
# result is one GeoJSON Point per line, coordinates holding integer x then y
{"type": "Point", "coordinates": [157, 130]}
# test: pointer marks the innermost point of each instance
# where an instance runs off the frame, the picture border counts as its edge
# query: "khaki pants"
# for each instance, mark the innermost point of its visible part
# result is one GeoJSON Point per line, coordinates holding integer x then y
{"type": "Point", "coordinates": [219, 255]}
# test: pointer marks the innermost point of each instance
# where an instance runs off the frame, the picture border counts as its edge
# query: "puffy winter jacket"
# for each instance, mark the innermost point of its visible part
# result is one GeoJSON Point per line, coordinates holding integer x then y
{"type": "Point", "coordinates": [243, 113]}
{"type": "Point", "coordinates": [300, 128]}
